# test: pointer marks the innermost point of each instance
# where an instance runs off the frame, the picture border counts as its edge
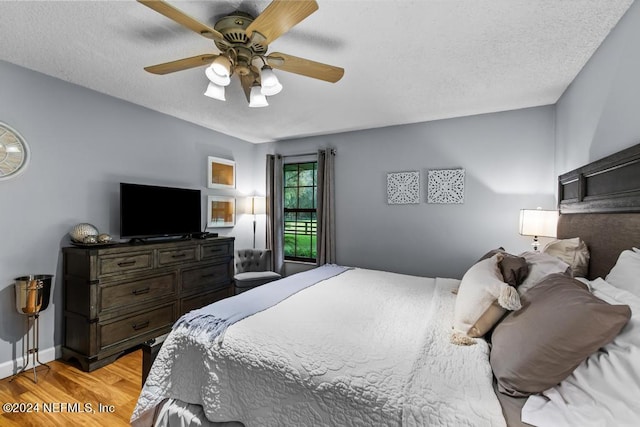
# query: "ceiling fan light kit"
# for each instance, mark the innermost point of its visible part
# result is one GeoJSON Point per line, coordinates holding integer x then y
{"type": "Point", "coordinates": [215, 91]}
{"type": "Point", "coordinates": [221, 67]}
{"type": "Point", "coordinates": [270, 83]}
{"type": "Point", "coordinates": [257, 98]}
{"type": "Point", "coordinates": [216, 77]}
{"type": "Point", "coordinates": [243, 40]}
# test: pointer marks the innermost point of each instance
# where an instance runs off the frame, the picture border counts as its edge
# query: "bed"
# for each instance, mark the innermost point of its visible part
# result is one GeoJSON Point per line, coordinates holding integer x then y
{"type": "Point", "coordinates": [363, 347]}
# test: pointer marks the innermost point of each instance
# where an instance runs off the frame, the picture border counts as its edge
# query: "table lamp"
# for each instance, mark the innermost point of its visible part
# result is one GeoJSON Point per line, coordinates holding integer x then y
{"type": "Point", "coordinates": [538, 223]}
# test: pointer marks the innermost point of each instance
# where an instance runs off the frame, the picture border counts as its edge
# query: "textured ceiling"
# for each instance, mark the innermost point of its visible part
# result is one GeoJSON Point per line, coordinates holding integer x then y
{"type": "Point", "coordinates": [405, 61]}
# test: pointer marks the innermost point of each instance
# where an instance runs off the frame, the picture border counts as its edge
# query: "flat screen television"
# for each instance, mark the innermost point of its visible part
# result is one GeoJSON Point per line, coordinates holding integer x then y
{"type": "Point", "coordinates": [148, 211]}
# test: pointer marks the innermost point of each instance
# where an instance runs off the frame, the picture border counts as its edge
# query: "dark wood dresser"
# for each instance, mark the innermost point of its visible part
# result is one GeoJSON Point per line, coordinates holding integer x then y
{"type": "Point", "coordinates": [117, 297]}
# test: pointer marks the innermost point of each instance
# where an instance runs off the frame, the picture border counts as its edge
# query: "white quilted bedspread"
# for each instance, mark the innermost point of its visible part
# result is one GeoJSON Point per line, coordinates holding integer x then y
{"type": "Point", "coordinates": [364, 348]}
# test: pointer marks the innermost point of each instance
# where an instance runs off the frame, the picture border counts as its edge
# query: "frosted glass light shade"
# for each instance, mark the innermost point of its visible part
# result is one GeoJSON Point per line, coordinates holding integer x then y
{"type": "Point", "coordinates": [222, 66]}
{"type": "Point", "coordinates": [215, 91]}
{"type": "Point", "coordinates": [218, 75]}
{"type": "Point", "coordinates": [270, 83]}
{"type": "Point", "coordinates": [256, 98]}
{"type": "Point", "coordinates": [538, 222]}
{"type": "Point", "coordinates": [271, 90]}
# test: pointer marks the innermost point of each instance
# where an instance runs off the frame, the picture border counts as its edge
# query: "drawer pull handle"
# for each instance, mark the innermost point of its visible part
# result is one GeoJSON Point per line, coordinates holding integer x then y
{"type": "Point", "coordinates": [126, 263]}
{"type": "Point", "coordinates": [140, 291]}
{"type": "Point", "coordinates": [206, 276]}
{"type": "Point", "coordinates": [178, 255]}
{"type": "Point", "coordinates": [215, 250]}
{"type": "Point", "coordinates": [138, 326]}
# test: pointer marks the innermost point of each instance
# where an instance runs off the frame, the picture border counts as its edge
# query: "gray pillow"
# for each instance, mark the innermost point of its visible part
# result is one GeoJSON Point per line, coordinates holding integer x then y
{"type": "Point", "coordinates": [559, 325]}
{"type": "Point", "coordinates": [514, 269]}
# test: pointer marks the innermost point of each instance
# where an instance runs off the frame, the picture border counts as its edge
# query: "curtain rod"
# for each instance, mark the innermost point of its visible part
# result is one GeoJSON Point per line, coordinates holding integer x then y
{"type": "Point", "coordinates": [333, 150]}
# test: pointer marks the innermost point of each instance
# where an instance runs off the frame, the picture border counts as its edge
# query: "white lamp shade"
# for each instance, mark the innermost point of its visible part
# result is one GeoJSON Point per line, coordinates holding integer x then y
{"type": "Point", "coordinates": [258, 205]}
{"type": "Point", "coordinates": [270, 83]}
{"type": "Point", "coordinates": [256, 98]}
{"type": "Point", "coordinates": [538, 222]}
{"type": "Point", "coordinates": [217, 77]}
{"type": "Point", "coordinates": [215, 91]}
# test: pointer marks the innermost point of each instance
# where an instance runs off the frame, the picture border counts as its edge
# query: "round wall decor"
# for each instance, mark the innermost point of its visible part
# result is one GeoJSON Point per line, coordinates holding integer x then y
{"type": "Point", "coordinates": [14, 153]}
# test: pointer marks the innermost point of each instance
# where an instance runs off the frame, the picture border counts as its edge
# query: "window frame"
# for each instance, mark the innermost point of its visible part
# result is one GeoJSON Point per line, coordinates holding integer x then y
{"type": "Point", "coordinates": [311, 211]}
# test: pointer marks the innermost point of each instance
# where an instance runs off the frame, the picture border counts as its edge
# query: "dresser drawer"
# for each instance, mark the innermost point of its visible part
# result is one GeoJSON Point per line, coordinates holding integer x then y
{"type": "Point", "coordinates": [176, 256]}
{"type": "Point", "coordinates": [200, 300]}
{"type": "Point", "coordinates": [123, 294]}
{"type": "Point", "coordinates": [214, 250]}
{"type": "Point", "coordinates": [125, 263]}
{"type": "Point", "coordinates": [140, 324]}
{"type": "Point", "coordinates": [209, 276]}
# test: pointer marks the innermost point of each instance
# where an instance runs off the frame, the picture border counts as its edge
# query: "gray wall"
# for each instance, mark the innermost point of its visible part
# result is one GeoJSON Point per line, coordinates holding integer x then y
{"type": "Point", "coordinates": [508, 158]}
{"type": "Point", "coordinates": [83, 144]}
{"type": "Point", "coordinates": [600, 112]}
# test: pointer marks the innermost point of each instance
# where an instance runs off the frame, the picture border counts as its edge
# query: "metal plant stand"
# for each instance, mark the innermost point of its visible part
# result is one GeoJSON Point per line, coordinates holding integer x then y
{"type": "Point", "coordinates": [32, 348]}
{"type": "Point", "coordinates": [32, 296]}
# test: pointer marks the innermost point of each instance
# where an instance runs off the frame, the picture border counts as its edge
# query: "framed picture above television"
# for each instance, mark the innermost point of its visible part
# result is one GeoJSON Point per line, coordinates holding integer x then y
{"type": "Point", "coordinates": [221, 173]}
{"type": "Point", "coordinates": [221, 211]}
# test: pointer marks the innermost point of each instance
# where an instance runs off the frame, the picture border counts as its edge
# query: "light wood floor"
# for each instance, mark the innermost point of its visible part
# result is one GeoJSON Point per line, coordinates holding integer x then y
{"type": "Point", "coordinates": [117, 384]}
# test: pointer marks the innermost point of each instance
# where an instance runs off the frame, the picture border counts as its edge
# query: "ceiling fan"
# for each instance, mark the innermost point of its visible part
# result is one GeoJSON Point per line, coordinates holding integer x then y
{"type": "Point", "coordinates": [243, 41]}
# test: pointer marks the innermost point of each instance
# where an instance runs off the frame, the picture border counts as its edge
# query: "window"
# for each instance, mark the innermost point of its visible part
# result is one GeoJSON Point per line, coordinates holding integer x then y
{"type": "Point", "coordinates": [300, 222]}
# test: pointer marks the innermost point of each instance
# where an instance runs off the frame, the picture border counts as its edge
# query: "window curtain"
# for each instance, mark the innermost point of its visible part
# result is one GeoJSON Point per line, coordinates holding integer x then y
{"type": "Point", "coordinates": [275, 211]}
{"type": "Point", "coordinates": [326, 208]}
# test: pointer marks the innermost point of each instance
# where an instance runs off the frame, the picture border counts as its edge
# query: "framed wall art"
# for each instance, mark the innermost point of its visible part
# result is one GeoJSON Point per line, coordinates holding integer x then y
{"type": "Point", "coordinates": [221, 173]}
{"type": "Point", "coordinates": [403, 188]}
{"type": "Point", "coordinates": [445, 186]}
{"type": "Point", "coordinates": [221, 211]}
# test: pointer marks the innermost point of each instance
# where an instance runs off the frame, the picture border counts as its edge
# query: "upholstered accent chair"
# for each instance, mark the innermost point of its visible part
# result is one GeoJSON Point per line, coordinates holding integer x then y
{"type": "Point", "coordinates": [253, 269]}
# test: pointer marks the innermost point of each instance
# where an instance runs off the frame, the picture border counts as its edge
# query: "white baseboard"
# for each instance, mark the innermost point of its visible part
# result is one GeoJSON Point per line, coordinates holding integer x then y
{"type": "Point", "coordinates": [45, 356]}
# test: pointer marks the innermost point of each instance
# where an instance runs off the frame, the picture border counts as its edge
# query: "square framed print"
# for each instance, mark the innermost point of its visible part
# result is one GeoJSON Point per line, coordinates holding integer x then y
{"type": "Point", "coordinates": [445, 186]}
{"type": "Point", "coordinates": [221, 173]}
{"type": "Point", "coordinates": [403, 188]}
{"type": "Point", "coordinates": [221, 211]}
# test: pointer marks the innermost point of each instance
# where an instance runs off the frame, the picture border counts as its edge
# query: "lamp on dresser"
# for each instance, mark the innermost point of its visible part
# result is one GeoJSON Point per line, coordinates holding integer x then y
{"type": "Point", "coordinates": [538, 223]}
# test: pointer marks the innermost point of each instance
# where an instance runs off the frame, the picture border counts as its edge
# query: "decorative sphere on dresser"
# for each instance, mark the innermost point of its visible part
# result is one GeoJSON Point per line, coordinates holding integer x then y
{"type": "Point", "coordinates": [82, 230]}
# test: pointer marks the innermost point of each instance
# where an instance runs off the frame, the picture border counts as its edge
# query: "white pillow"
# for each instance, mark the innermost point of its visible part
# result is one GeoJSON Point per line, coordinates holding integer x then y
{"type": "Point", "coordinates": [626, 273]}
{"type": "Point", "coordinates": [482, 286]}
{"type": "Point", "coordinates": [604, 389]}
{"type": "Point", "coordinates": [572, 251]}
{"type": "Point", "coordinates": [540, 266]}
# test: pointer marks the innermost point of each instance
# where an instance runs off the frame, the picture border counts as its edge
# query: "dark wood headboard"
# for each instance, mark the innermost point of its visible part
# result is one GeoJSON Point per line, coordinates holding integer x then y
{"type": "Point", "coordinates": [611, 184]}
{"type": "Point", "coordinates": [600, 203]}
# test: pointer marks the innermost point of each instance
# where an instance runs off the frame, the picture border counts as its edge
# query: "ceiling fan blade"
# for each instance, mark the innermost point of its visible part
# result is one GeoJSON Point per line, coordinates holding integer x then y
{"type": "Point", "coordinates": [305, 67]}
{"type": "Point", "coordinates": [180, 17]}
{"type": "Point", "coordinates": [181, 64]}
{"type": "Point", "coordinates": [279, 17]}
